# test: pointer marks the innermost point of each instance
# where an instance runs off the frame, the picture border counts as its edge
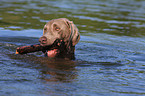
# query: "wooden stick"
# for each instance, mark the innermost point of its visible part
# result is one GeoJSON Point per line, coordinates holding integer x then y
{"type": "Point", "coordinates": [29, 49]}
{"type": "Point", "coordinates": [37, 47]}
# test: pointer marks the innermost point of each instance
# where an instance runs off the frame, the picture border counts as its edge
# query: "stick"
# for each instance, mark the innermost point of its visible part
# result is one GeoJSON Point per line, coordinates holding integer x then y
{"type": "Point", "coordinates": [29, 49]}
{"type": "Point", "coordinates": [37, 47]}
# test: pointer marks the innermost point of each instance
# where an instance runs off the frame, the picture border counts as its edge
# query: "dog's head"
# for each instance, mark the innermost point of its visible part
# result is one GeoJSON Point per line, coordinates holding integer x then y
{"type": "Point", "coordinates": [60, 29]}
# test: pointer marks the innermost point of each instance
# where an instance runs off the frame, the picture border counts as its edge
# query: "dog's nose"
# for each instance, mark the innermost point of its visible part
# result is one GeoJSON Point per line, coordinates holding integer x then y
{"type": "Point", "coordinates": [43, 40]}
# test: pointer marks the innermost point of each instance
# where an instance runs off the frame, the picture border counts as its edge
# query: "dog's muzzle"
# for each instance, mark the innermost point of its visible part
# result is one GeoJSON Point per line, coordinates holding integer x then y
{"type": "Point", "coordinates": [53, 49]}
{"type": "Point", "coordinates": [43, 40]}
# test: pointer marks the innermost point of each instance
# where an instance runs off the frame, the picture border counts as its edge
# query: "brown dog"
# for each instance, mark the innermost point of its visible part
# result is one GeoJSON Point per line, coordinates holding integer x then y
{"type": "Point", "coordinates": [63, 30]}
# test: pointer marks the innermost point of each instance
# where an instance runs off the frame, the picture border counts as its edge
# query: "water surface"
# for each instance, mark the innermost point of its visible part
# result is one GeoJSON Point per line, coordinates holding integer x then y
{"type": "Point", "coordinates": [109, 57]}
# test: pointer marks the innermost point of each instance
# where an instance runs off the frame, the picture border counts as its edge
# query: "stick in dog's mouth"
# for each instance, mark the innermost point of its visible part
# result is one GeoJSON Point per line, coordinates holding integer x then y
{"type": "Point", "coordinates": [55, 49]}
{"type": "Point", "coordinates": [38, 47]}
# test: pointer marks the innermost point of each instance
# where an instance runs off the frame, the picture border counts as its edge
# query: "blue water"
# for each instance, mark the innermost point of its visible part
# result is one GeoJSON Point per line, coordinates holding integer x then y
{"type": "Point", "coordinates": [109, 57]}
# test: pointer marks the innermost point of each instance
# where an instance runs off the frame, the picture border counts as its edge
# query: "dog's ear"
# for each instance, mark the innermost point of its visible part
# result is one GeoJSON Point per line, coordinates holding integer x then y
{"type": "Point", "coordinates": [74, 34]}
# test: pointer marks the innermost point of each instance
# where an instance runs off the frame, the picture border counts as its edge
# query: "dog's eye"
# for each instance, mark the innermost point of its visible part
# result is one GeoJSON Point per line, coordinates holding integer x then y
{"type": "Point", "coordinates": [56, 27]}
{"type": "Point", "coordinates": [45, 29]}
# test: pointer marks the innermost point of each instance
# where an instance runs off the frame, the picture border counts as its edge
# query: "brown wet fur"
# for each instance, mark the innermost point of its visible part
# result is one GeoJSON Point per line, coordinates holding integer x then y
{"type": "Point", "coordinates": [61, 29]}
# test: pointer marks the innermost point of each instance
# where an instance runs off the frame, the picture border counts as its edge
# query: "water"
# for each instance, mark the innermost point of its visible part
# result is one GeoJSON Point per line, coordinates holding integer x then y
{"type": "Point", "coordinates": [109, 57]}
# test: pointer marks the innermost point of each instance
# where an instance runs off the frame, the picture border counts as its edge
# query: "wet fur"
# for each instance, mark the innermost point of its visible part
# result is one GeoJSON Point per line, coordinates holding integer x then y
{"type": "Point", "coordinates": [61, 29]}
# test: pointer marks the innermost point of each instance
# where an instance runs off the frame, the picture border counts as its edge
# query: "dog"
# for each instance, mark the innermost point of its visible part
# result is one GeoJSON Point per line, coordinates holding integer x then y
{"type": "Point", "coordinates": [62, 30]}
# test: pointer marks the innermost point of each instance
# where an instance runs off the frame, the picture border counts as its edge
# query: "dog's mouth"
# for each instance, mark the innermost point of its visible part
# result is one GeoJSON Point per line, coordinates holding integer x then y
{"type": "Point", "coordinates": [54, 49]}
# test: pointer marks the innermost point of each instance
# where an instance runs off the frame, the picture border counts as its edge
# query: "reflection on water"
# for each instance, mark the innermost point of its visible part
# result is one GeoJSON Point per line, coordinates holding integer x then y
{"type": "Point", "coordinates": [51, 69]}
{"type": "Point", "coordinates": [109, 57]}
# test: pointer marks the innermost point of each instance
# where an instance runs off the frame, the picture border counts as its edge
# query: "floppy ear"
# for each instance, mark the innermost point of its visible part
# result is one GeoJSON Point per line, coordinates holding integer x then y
{"type": "Point", "coordinates": [74, 34]}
